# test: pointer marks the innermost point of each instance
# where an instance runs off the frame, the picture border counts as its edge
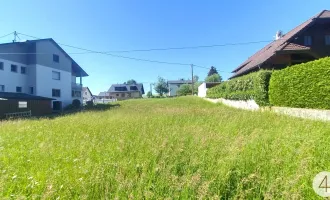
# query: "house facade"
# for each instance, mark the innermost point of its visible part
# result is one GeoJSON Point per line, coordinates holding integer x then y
{"type": "Point", "coordinates": [173, 86]}
{"type": "Point", "coordinates": [87, 94]}
{"type": "Point", "coordinates": [306, 42]}
{"type": "Point", "coordinates": [40, 68]}
{"type": "Point", "coordinates": [126, 91]}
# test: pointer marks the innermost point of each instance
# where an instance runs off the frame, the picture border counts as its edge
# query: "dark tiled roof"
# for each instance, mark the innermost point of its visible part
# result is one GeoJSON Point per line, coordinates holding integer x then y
{"type": "Point", "coordinates": [269, 50]}
{"type": "Point", "coordinates": [293, 47]}
{"type": "Point", "coordinates": [126, 88]}
{"type": "Point", "coordinates": [21, 96]}
{"type": "Point", "coordinates": [103, 94]}
{"type": "Point", "coordinates": [179, 82]}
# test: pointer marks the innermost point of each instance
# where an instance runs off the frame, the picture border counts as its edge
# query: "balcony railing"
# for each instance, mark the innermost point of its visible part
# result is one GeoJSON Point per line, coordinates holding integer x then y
{"type": "Point", "coordinates": [76, 86]}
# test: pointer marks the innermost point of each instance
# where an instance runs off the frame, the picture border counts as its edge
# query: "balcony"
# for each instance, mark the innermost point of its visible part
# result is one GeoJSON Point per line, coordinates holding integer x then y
{"type": "Point", "coordinates": [76, 86]}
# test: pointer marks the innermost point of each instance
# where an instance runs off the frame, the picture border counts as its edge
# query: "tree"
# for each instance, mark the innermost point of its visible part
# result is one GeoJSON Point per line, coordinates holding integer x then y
{"type": "Point", "coordinates": [213, 78]}
{"type": "Point", "coordinates": [195, 78]}
{"type": "Point", "coordinates": [149, 94]}
{"type": "Point", "coordinates": [212, 71]}
{"type": "Point", "coordinates": [184, 90]}
{"type": "Point", "coordinates": [131, 82]}
{"type": "Point", "coordinates": [161, 86]}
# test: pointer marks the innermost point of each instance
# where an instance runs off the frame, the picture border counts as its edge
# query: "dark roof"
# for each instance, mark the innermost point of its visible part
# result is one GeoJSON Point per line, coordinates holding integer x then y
{"type": "Point", "coordinates": [284, 43]}
{"type": "Point", "coordinates": [211, 84]}
{"type": "Point", "coordinates": [126, 88]}
{"type": "Point", "coordinates": [103, 94]}
{"type": "Point", "coordinates": [75, 65]}
{"type": "Point", "coordinates": [179, 82]}
{"type": "Point", "coordinates": [21, 96]}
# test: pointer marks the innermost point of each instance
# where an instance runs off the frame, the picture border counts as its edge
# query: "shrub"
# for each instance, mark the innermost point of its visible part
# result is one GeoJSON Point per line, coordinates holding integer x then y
{"type": "Point", "coordinates": [304, 85]}
{"type": "Point", "coordinates": [251, 86]}
{"type": "Point", "coordinates": [76, 103]}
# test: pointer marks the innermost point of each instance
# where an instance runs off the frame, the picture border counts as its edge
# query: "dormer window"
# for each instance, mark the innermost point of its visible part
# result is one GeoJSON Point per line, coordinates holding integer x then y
{"type": "Point", "coordinates": [308, 40]}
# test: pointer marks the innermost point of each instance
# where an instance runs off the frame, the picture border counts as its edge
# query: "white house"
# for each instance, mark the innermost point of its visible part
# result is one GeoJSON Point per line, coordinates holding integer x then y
{"type": "Point", "coordinates": [173, 86]}
{"type": "Point", "coordinates": [202, 89]}
{"type": "Point", "coordinates": [41, 68]}
{"type": "Point", "coordinates": [87, 94]}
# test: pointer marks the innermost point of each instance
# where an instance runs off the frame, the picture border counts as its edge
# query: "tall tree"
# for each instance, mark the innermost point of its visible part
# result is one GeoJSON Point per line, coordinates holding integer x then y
{"type": "Point", "coordinates": [213, 78]}
{"type": "Point", "coordinates": [212, 71]}
{"type": "Point", "coordinates": [161, 86]}
{"type": "Point", "coordinates": [130, 82]}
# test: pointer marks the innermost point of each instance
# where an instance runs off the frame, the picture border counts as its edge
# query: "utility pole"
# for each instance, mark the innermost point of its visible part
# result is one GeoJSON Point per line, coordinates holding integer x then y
{"type": "Point", "coordinates": [151, 88]}
{"type": "Point", "coordinates": [192, 79]}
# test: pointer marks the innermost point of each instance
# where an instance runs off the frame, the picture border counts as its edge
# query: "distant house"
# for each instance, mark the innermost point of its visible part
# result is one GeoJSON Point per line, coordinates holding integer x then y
{"type": "Point", "coordinates": [87, 94]}
{"type": "Point", "coordinates": [125, 91]}
{"type": "Point", "coordinates": [13, 104]}
{"type": "Point", "coordinates": [103, 95]}
{"type": "Point", "coordinates": [173, 86]}
{"type": "Point", "coordinates": [308, 41]}
{"type": "Point", "coordinates": [202, 89]}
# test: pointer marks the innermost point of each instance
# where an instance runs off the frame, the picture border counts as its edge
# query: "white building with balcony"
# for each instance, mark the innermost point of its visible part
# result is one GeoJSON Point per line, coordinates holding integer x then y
{"type": "Point", "coordinates": [41, 68]}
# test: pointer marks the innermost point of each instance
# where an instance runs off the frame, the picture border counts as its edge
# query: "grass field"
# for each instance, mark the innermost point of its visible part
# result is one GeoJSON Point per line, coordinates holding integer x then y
{"type": "Point", "coordinates": [159, 148]}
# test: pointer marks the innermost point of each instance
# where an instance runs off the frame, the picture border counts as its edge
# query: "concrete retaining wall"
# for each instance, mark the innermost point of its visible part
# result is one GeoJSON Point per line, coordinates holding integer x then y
{"type": "Point", "coordinates": [246, 105]}
{"type": "Point", "coordinates": [295, 112]}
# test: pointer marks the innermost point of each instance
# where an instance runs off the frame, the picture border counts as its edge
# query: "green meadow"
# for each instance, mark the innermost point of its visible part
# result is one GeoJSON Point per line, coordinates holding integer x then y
{"type": "Point", "coordinates": [178, 148]}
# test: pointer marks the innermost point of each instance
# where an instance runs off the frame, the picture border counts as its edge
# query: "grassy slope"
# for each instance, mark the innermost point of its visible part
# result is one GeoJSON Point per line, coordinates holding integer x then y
{"type": "Point", "coordinates": [183, 147]}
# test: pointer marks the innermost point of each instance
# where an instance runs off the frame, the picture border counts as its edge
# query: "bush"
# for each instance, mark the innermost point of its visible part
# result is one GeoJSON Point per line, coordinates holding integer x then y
{"type": "Point", "coordinates": [304, 85]}
{"type": "Point", "coordinates": [251, 86]}
{"type": "Point", "coordinates": [76, 103]}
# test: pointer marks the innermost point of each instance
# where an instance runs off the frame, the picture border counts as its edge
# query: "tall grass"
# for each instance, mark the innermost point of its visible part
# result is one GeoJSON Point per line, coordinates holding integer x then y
{"type": "Point", "coordinates": [159, 148]}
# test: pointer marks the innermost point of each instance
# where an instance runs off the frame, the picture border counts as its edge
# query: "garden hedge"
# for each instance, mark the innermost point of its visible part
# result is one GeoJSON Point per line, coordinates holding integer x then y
{"type": "Point", "coordinates": [304, 85]}
{"type": "Point", "coordinates": [251, 86]}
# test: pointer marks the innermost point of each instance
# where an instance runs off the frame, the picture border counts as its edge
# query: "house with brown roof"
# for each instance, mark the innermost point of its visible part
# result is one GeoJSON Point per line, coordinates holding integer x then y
{"type": "Point", "coordinates": [306, 42]}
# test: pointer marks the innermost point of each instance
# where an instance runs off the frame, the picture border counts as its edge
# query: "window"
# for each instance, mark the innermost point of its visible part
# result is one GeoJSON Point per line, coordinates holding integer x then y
{"type": "Point", "coordinates": [124, 88]}
{"type": "Point", "coordinates": [56, 75]}
{"type": "Point", "coordinates": [1, 65]}
{"type": "Point", "coordinates": [327, 41]}
{"type": "Point", "coordinates": [18, 89]}
{"type": "Point", "coordinates": [308, 40]}
{"type": "Point", "coordinates": [2, 88]}
{"type": "Point", "coordinates": [56, 58]}
{"type": "Point", "coordinates": [117, 95]}
{"type": "Point", "coordinates": [14, 68]}
{"type": "Point", "coordinates": [22, 104]}
{"type": "Point", "coordinates": [56, 93]}
{"type": "Point", "coordinates": [23, 70]}
{"type": "Point", "coordinates": [31, 90]}
{"type": "Point", "coordinates": [133, 88]}
{"type": "Point", "coordinates": [76, 93]}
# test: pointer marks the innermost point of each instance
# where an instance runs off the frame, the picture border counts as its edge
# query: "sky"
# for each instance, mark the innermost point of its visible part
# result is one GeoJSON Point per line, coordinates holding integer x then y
{"type": "Point", "coordinates": [119, 25]}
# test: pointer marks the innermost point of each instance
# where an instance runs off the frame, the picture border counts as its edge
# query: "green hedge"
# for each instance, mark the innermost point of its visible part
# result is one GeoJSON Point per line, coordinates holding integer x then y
{"type": "Point", "coordinates": [303, 86]}
{"type": "Point", "coordinates": [251, 86]}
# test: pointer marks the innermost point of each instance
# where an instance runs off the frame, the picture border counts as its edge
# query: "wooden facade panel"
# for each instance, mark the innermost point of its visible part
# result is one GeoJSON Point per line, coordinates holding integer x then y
{"type": "Point", "coordinates": [37, 107]}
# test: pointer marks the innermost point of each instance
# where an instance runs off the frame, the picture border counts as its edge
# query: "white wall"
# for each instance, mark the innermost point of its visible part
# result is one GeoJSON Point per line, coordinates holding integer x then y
{"type": "Point", "coordinates": [11, 80]}
{"type": "Point", "coordinates": [45, 84]}
{"type": "Point", "coordinates": [202, 90]}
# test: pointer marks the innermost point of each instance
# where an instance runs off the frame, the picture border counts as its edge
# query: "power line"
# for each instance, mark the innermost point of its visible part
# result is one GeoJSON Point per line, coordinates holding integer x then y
{"type": "Point", "coordinates": [6, 35]}
{"type": "Point", "coordinates": [173, 48]}
{"type": "Point", "coordinates": [126, 57]}
{"type": "Point", "coordinates": [119, 56]}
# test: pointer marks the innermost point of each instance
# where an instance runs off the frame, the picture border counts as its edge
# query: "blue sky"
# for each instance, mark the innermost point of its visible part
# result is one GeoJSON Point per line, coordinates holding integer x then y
{"type": "Point", "coordinates": [112, 25]}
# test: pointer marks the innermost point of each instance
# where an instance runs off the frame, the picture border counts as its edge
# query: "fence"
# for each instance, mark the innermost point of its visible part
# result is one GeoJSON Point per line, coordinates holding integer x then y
{"type": "Point", "coordinates": [18, 114]}
{"type": "Point", "coordinates": [104, 101]}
